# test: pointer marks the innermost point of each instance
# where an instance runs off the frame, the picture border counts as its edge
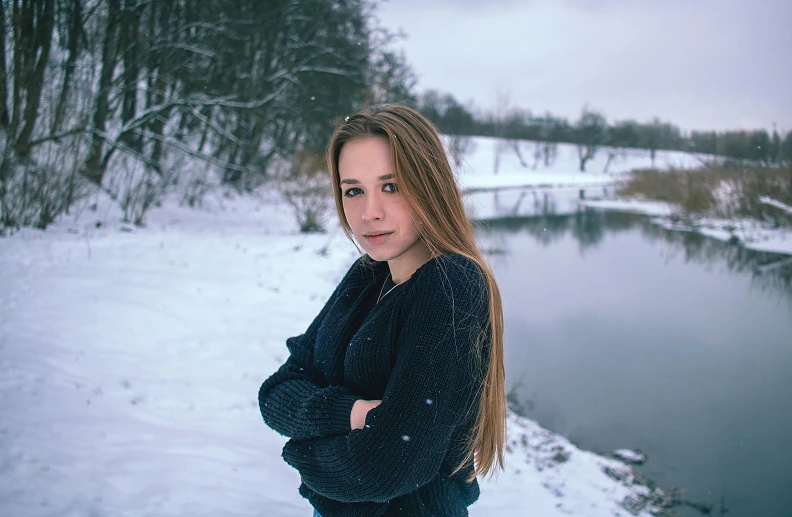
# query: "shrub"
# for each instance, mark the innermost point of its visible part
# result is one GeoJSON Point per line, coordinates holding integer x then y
{"type": "Point", "coordinates": [718, 190]}
{"type": "Point", "coordinates": [34, 192]}
{"type": "Point", "coordinates": [305, 186]}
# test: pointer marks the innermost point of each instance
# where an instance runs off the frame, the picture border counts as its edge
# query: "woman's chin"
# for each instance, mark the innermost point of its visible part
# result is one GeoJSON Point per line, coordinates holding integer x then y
{"type": "Point", "coordinates": [375, 253]}
{"type": "Point", "coordinates": [379, 256]}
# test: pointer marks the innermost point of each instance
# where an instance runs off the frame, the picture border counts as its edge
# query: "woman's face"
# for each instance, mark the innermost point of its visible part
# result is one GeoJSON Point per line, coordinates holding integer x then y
{"type": "Point", "coordinates": [380, 220]}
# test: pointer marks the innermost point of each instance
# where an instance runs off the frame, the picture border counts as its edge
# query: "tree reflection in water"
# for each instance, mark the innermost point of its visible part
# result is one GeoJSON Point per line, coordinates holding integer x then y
{"type": "Point", "coordinates": [770, 272]}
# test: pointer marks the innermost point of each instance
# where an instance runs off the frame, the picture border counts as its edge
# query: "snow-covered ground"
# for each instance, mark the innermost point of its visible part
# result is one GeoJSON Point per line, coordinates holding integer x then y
{"type": "Point", "coordinates": [477, 170]}
{"type": "Point", "coordinates": [130, 360]}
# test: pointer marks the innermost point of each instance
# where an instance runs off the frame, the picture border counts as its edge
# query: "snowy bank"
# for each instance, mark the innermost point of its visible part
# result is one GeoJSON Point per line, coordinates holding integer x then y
{"type": "Point", "coordinates": [745, 232]}
{"type": "Point", "coordinates": [477, 175]}
{"type": "Point", "coordinates": [131, 359]}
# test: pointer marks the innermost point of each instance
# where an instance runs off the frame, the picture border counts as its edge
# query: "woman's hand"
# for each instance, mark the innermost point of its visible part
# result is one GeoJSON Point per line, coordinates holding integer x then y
{"type": "Point", "coordinates": [357, 417]}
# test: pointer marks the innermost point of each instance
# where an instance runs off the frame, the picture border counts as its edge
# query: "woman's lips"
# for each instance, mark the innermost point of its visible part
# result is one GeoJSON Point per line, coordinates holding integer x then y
{"type": "Point", "coordinates": [377, 238]}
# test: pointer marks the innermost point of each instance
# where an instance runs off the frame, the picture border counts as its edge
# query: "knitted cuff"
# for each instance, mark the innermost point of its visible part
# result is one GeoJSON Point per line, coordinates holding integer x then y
{"type": "Point", "coordinates": [328, 410]}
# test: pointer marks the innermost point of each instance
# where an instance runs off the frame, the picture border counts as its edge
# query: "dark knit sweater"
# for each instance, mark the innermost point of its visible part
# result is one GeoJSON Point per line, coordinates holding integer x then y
{"type": "Point", "coordinates": [416, 351]}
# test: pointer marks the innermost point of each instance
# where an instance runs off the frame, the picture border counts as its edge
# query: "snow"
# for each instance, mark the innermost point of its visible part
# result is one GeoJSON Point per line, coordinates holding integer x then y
{"type": "Point", "coordinates": [477, 171]}
{"type": "Point", "coordinates": [778, 204]}
{"type": "Point", "coordinates": [749, 233]}
{"type": "Point", "coordinates": [130, 360]}
{"type": "Point", "coordinates": [629, 456]}
{"type": "Point", "coordinates": [516, 180]}
{"type": "Point", "coordinates": [655, 208]}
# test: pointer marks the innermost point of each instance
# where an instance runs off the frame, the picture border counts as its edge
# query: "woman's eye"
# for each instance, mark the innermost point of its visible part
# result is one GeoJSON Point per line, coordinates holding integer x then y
{"type": "Point", "coordinates": [390, 187]}
{"type": "Point", "coordinates": [352, 192]}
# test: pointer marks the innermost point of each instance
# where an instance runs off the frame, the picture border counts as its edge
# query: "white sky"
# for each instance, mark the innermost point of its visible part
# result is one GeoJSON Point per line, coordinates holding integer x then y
{"type": "Point", "coordinates": [701, 64]}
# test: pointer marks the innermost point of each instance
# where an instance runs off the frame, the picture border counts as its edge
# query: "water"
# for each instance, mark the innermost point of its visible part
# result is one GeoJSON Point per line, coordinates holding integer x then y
{"type": "Point", "coordinates": [624, 334]}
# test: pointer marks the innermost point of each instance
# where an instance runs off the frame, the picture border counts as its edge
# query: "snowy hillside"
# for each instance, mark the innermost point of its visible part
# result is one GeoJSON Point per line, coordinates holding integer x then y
{"type": "Point", "coordinates": [477, 170]}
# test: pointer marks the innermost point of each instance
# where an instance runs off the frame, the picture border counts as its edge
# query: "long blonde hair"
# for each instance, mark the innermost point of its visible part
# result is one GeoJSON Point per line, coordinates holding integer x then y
{"type": "Point", "coordinates": [426, 183]}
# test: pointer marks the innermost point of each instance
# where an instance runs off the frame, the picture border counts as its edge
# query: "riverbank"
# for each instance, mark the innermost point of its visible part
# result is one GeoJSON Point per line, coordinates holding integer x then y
{"type": "Point", "coordinates": [736, 205]}
{"type": "Point", "coordinates": [132, 358]}
{"type": "Point", "coordinates": [745, 232]}
{"type": "Point", "coordinates": [747, 206]}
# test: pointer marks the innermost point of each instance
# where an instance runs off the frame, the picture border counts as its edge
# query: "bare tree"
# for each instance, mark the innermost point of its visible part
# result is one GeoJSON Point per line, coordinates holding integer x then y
{"type": "Point", "coordinates": [459, 147]}
{"type": "Point", "coordinates": [391, 78]}
{"type": "Point", "coordinates": [545, 153]}
{"type": "Point", "coordinates": [32, 29]}
{"type": "Point", "coordinates": [549, 152]}
{"type": "Point", "coordinates": [97, 161]}
{"type": "Point", "coordinates": [613, 154]}
{"type": "Point", "coordinates": [74, 33]}
{"type": "Point", "coordinates": [4, 119]}
{"type": "Point", "coordinates": [591, 132]}
{"type": "Point", "coordinates": [502, 104]}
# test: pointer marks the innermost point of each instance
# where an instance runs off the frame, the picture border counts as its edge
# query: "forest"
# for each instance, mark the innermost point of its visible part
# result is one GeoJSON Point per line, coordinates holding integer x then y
{"type": "Point", "coordinates": [142, 98]}
{"type": "Point", "coordinates": [135, 97]}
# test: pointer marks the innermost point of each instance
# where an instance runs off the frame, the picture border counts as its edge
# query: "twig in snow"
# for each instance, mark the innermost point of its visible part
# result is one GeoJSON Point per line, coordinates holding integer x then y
{"type": "Point", "coordinates": [778, 204]}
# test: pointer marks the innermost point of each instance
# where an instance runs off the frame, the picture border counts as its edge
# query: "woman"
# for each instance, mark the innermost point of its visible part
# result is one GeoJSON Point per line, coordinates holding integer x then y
{"type": "Point", "coordinates": [394, 397]}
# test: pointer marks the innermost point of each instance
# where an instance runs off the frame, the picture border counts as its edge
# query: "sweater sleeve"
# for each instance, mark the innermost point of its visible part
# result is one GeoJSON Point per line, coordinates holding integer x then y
{"type": "Point", "coordinates": [431, 389]}
{"type": "Point", "coordinates": [292, 401]}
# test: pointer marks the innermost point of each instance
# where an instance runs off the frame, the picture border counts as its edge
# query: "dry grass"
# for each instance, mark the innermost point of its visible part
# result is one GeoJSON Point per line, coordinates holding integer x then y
{"type": "Point", "coordinates": [718, 191]}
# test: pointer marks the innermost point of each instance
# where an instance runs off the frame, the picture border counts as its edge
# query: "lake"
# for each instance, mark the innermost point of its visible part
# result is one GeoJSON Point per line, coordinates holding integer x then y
{"type": "Point", "coordinates": [620, 333]}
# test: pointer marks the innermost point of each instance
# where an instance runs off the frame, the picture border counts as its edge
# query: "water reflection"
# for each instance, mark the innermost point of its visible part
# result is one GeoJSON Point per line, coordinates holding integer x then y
{"type": "Point", "coordinates": [771, 272]}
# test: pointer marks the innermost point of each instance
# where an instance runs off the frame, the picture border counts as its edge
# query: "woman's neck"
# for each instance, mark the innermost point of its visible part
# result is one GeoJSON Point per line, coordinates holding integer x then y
{"type": "Point", "coordinates": [403, 266]}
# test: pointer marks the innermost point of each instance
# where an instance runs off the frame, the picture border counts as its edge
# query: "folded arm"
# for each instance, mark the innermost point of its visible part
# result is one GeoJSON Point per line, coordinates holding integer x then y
{"type": "Point", "coordinates": [292, 400]}
{"type": "Point", "coordinates": [294, 405]}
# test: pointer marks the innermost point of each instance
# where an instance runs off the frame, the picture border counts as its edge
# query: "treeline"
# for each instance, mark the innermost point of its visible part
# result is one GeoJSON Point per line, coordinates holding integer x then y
{"type": "Point", "coordinates": [139, 98]}
{"type": "Point", "coordinates": [120, 94]}
{"type": "Point", "coordinates": [592, 128]}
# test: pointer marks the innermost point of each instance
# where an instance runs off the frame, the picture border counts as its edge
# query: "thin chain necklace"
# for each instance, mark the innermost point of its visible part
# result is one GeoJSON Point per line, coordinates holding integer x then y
{"type": "Point", "coordinates": [381, 296]}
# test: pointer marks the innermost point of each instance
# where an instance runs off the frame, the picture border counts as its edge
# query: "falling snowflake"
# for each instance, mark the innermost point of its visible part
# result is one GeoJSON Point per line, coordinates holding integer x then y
{"type": "Point", "coordinates": [429, 402]}
{"type": "Point", "coordinates": [406, 438]}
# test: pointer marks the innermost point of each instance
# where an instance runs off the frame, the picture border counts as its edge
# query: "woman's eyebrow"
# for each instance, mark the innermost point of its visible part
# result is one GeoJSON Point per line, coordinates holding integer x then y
{"type": "Point", "coordinates": [352, 181]}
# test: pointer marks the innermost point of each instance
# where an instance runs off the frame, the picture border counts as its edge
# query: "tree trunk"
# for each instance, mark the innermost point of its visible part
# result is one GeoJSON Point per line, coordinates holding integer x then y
{"type": "Point", "coordinates": [40, 46]}
{"type": "Point", "coordinates": [75, 32]}
{"type": "Point", "coordinates": [94, 168]}
{"type": "Point", "coordinates": [4, 119]}
{"type": "Point", "coordinates": [130, 53]}
{"type": "Point", "coordinates": [584, 153]}
{"type": "Point", "coordinates": [160, 86]}
{"type": "Point", "coordinates": [19, 51]}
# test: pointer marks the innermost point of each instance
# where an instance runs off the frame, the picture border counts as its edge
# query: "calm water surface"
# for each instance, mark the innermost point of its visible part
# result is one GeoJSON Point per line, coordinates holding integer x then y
{"type": "Point", "coordinates": [624, 334]}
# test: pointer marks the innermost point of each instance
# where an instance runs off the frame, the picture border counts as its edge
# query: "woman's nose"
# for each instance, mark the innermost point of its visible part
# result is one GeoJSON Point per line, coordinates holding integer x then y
{"type": "Point", "coordinates": [372, 210]}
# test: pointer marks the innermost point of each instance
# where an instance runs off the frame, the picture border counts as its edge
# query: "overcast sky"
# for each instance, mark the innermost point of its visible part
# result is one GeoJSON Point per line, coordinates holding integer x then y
{"type": "Point", "coordinates": [701, 64]}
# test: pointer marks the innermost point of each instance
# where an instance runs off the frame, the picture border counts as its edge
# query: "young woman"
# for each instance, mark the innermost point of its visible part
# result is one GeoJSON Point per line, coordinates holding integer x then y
{"type": "Point", "coordinates": [394, 397]}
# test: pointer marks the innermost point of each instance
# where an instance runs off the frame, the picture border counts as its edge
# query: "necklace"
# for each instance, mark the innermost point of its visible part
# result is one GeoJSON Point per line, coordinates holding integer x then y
{"type": "Point", "coordinates": [381, 296]}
